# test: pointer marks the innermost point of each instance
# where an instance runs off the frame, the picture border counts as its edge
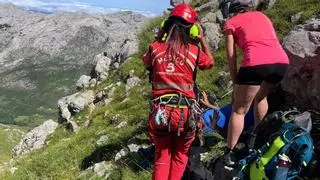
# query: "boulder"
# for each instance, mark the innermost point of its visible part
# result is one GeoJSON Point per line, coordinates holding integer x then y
{"type": "Point", "coordinates": [73, 126]}
{"type": "Point", "coordinates": [211, 6]}
{"type": "Point", "coordinates": [83, 82]}
{"type": "Point", "coordinates": [131, 82]}
{"type": "Point", "coordinates": [35, 139]}
{"type": "Point", "coordinates": [120, 154]}
{"type": "Point", "coordinates": [211, 29]}
{"type": "Point", "coordinates": [102, 168]}
{"type": "Point", "coordinates": [303, 76]}
{"type": "Point", "coordinates": [74, 103]}
{"type": "Point", "coordinates": [102, 140]}
{"type": "Point", "coordinates": [102, 66]}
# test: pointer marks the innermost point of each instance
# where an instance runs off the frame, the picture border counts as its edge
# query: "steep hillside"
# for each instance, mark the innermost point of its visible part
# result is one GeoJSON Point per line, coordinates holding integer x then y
{"type": "Point", "coordinates": [9, 137]}
{"type": "Point", "coordinates": [111, 140]}
{"type": "Point", "coordinates": [42, 55]}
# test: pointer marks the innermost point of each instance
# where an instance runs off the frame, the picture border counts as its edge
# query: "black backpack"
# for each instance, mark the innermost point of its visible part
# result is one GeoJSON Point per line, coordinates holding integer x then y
{"type": "Point", "coordinates": [195, 169]}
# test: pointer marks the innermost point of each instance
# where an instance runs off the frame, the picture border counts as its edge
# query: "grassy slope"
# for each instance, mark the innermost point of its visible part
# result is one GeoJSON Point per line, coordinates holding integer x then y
{"type": "Point", "coordinates": [9, 137]}
{"type": "Point", "coordinates": [32, 107]}
{"type": "Point", "coordinates": [67, 154]}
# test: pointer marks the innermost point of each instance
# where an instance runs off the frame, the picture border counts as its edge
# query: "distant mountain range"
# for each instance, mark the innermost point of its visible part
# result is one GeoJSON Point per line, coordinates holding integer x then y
{"type": "Point", "coordinates": [42, 55]}
{"type": "Point", "coordinates": [53, 7]}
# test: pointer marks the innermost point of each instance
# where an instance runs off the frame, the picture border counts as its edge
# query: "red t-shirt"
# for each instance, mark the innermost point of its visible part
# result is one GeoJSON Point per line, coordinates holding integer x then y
{"type": "Point", "coordinates": [173, 73]}
{"type": "Point", "coordinates": [255, 36]}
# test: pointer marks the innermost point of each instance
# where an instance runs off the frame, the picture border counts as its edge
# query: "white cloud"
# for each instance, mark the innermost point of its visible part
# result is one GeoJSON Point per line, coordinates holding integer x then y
{"type": "Point", "coordinates": [52, 7]}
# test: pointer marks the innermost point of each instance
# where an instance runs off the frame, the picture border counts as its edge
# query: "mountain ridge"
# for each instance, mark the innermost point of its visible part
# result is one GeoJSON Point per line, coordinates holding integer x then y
{"type": "Point", "coordinates": [57, 47]}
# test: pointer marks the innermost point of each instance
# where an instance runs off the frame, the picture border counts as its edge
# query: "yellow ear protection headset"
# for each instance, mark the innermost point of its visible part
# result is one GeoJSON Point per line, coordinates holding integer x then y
{"type": "Point", "coordinates": [193, 29]}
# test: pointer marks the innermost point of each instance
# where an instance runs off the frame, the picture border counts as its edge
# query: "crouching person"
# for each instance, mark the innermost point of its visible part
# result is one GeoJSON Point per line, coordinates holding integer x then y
{"type": "Point", "coordinates": [172, 60]}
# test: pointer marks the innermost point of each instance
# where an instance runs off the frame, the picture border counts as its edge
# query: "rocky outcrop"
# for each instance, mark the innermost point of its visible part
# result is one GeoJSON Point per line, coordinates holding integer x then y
{"type": "Point", "coordinates": [176, 2]}
{"type": "Point", "coordinates": [83, 82]}
{"type": "Point", "coordinates": [212, 30]}
{"type": "Point", "coordinates": [303, 76]}
{"type": "Point", "coordinates": [46, 53]}
{"type": "Point", "coordinates": [102, 66]}
{"type": "Point", "coordinates": [64, 38]}
{"type": "Point", "coordinates": [131, 82]}
{"type": "Point", "coordinates": [211, 6]}
{"type": "Point", "coordinates": [102, 169]}
{"type": "Point", "coordinates": [74, 103]}
{"type": "Point", "coordinates": [35, 139]}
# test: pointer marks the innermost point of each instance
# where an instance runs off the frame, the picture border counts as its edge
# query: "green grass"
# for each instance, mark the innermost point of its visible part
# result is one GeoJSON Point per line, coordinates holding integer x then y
{"type": "Point", "coordinates": [68, 154]}
{"type": "Point", "coordinates": [32, 107]}
{"type": "Point", "coordinates": [284, 9]}
{"type": "Point", "coordinates": [9, 137]}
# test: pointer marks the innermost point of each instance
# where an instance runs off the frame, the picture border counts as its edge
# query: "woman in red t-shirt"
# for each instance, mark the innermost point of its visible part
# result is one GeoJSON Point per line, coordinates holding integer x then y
{"type": "Point", "coordinates": [263, 65]}
{"type": "Point", "coordinates": [172, 60]}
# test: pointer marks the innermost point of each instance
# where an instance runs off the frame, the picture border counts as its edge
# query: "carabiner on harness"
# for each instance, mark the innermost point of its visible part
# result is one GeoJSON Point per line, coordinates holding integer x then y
{"type": "Point", "coordinates": [161, 118]}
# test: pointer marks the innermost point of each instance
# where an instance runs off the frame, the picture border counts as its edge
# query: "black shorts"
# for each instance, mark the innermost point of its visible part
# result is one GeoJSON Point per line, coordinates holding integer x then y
{"type": "Point", "coordinates": [254, 75]}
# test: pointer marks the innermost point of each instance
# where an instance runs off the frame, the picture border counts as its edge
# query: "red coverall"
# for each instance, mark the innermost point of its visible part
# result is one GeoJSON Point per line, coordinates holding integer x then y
{"type": "Point", "coordinates": [172, 78]}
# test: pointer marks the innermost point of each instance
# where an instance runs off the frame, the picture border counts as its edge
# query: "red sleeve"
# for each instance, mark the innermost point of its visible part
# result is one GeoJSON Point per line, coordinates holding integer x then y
{"type": "Point", "coordinates": [146, 58]}
{"type": "Point", "coordinates": [204, 61]}
{"type": "Point", "coordinates": [229, 27]}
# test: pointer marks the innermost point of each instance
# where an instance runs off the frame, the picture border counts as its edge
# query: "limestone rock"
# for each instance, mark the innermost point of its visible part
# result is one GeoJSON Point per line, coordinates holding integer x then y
{"type": "Point", "coordinates": [176, 2]}
{"type": "Point", "coordinates": [134, 148]}
{"type": "Point", "coordinates": [303, 76]}
{"type": "Point", "coordinates": [296, 17]}
{"type": "Point", "coordinates": [101, 168]}
{"type": "Point", "coordinates": [102, 140]}
{"type": "Point", "coordinates": [75, 103]}
{"type": "Point", "coordinates": [73, 126]}
{"type": "Point", "coordinates": [211, 6]}
{"type": "Point", "coordinates": [37, 48]}
{"type": "Point", "coordinates": [83, 82]}
{"type": "Point", "coordinates": [93, 82]}
{"type": "Point", "coordinates": [122, 125]}
{"type": "Point", "coordinates": [35, 139]}
{"type": "Point", "coordinates": [120, 154]}
{"type": "Point", "coordinates": [131, 82]}
{"type": "Point", "coordinates": [102, 66]}
{"type": "Point", "coordinates": [212, 33]}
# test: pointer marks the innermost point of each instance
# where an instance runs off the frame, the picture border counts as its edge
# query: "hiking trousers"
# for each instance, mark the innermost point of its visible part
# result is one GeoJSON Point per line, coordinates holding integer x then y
{"type": "Point", "coordinates": [171, 149]}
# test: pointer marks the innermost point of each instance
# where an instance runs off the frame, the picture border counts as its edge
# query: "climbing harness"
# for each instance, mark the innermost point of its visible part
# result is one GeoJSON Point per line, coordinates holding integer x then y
{"type": "Point", "coordinates": [177, 101]}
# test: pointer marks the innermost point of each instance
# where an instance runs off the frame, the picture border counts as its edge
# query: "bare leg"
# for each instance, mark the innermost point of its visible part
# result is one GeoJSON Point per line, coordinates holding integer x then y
{"type": "Point", "coordinates": [243, 97]}
{"type": "Point", "coordinates": [261, 103]}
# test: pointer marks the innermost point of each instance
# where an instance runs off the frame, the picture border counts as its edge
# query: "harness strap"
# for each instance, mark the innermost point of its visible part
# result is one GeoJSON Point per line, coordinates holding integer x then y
{"type": "Point", "coordinates": [169, 120]}
{"type": "Point", "coordinates": [181, 120]}
{"type": "Point", "coordinates": [181, 114]}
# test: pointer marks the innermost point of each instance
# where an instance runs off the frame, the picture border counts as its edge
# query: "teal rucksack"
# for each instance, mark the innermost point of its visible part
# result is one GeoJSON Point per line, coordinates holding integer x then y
{"type": "Point", "coordinates": [283, 147]}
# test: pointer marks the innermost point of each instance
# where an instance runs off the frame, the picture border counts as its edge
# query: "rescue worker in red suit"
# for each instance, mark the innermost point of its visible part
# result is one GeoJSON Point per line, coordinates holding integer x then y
{"type": "Point", "coordinates": [172, 62]}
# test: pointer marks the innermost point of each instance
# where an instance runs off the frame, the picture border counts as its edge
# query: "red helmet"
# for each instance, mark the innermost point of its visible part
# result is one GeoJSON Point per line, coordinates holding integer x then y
{"type": "Point", "coordinates": [186, 12]}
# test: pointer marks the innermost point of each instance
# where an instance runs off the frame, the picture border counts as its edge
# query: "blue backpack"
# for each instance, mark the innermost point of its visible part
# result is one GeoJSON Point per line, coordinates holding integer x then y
{"type": "Point", "coordinates": [288, 148]}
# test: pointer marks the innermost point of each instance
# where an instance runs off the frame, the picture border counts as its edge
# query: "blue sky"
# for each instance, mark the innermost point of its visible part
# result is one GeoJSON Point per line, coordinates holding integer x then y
{"type": "Point", "coordinates": [148, 7]}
